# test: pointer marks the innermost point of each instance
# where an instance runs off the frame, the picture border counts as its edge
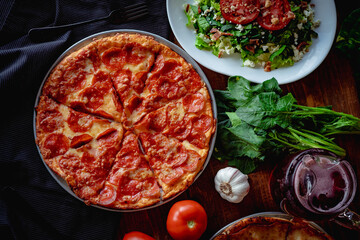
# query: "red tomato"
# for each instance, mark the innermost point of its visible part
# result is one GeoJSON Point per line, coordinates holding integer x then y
{"type": "Point", "coordinates": [240, 11]}
{"type": "Point", "coordinates": [187, 220]}
{"type": "Point", "coordinates": [275, 14]}
{"type": "Point", "coordinates": [137, 236]}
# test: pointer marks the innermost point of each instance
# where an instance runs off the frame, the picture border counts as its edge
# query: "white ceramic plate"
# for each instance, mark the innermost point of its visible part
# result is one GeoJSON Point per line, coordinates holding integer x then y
{"type": "Point", "coordinates": [325, 11]}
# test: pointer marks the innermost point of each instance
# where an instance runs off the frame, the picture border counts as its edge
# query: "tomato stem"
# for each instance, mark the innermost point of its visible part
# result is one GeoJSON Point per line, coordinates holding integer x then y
{"type": "Point", "coordinates": [191, 224]}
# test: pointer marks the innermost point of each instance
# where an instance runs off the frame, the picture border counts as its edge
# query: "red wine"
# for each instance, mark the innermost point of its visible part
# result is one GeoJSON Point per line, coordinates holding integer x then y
{"type": "Point", "coordinates": [313, 184]}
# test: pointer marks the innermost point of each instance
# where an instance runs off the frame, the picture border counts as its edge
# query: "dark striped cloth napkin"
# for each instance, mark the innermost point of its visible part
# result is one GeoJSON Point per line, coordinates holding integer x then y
{"type": "Point", "coordinates": [33, 205]}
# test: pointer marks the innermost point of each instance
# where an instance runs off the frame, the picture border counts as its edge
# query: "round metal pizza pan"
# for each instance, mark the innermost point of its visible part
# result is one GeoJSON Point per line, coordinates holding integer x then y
{"type": "Point", "coordinates": [280, 215]}
{"type": "Point", "coordinates": [161, 40]}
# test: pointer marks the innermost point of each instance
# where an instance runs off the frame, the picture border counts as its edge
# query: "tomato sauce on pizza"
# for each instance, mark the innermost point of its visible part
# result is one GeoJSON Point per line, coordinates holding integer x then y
{"type": "Point", "coordinates": [125, 83]}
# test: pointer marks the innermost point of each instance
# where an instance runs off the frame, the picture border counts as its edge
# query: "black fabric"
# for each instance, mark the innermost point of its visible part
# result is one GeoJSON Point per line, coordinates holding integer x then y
{"type": "Point", "coordinates": [33, 205]}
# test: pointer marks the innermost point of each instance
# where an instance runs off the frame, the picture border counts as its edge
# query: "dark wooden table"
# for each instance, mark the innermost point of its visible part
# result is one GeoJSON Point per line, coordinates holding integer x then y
{"type": "Point", "coordinates": [332, 83]}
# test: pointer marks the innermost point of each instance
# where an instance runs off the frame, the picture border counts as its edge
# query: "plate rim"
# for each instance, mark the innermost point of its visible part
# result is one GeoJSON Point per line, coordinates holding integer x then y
{"type": "Point", "coordinates": [81, 43]}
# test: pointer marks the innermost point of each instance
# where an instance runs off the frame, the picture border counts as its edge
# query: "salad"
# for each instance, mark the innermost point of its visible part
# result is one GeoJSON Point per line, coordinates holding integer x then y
{"type": "Point", "coordinates": [266, 33]}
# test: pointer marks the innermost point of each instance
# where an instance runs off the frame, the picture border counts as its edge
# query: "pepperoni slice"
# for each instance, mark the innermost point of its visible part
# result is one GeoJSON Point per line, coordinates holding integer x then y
{"type": "Point", "coordinates": [167, 79]}
{"type": "Point", "coordinates": [107, 156]}
{"type": "Point", "coordinates": [153, 101]}
{"type": "Point", "coordinates": [152, 188]}
{"type": "Point", "coordinates": [129, 145]}
{"type": "Point", "coordinates": [158, 120]}
{"type": "Point", "coordinates": [50, 120]}
{"type": "Point", "coordinates": [180, 129]}
{"type": "Point", "coordinates": [155, 121]}
{"type": "Point", "coordinates": [275, 14]}
{"type": "Point", "coordinates": [147, 140]}
{"type": "Point", "coordinates": [178, 156]}
{"type": "Point", "coordinates": [129, 155]}
{"type": "Point", "coordinates": [193, 161]}
{"type": "Point", "coordinates": [70, 164]}
{"type": "Point", "coordinates": [129, 160]}
{"type": "Point", "coordinates": [73, 78]}
{"type": "Point", "coordinates": [80, 140]}
{"type": "Point", "coordinates": [240, 11]}
{"type": "Point", "coordinates": [193, 81]}
{"type": "Point", "coordinates": [202, 123]}
{"type": "Point", "coordinates": [105, 133]}
{"type": "Point", "coordinates": [171, 176]}
{"type": "Point", "coordinates": [95, 93]}
{"type": "Point", "coordinates": [56, 144]}
{"type": "Point", "coordinates": [135, 53]}
{"type": "Point", "coordinates": [108, 138]}
{"type": "Point", "coordinates": [88, 160]}
{"type": "Point", "coordinates": [114, 58]}
{"type": "Point", "coordinates": [133, 103]}
{"type": "Point", "coordinates": [125, 81]}
{"type": "Point", "coordinates": [194, 102]}
{"type": "Point", "coordinates": [103, 114]}
{"type": "Point", "coordinates": [79, 122]}
{"type": "Point", "coordinates": [156, 145]}
{"type": "Point", "coordinates": [129, 189]}
{"type": "Point", "coordinates": [197, 139]}
{"type": "Point", "coordinates": [122, 82]}
{"type": "Point", "coordinates": [167, 68]}
{"type": "Point", "coordinates": [108, 195]}
{"type": "Point", "coordinates": [169, 88]}
{"type": "Point", "coordinates": [131, 53]}
{"type": "Point", "coordinates": [101, 77]}
{"type": "Point", "coordinates": [138, 81]}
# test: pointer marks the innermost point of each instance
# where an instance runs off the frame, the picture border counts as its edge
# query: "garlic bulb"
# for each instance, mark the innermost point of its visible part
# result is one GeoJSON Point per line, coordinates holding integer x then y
{"type": "Point", "coordinates": [232, 184]}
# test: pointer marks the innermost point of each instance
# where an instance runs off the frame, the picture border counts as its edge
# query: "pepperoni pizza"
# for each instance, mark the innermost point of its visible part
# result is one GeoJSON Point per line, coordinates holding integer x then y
{"type": "Point", "coordinates": [272, 228]}
{"type": "Point", "coordinates": [125, 83]}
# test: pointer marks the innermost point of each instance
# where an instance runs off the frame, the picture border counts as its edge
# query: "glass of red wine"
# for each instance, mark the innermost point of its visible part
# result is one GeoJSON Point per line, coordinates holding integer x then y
{"type": "Point", "coordinates": [315, 184]}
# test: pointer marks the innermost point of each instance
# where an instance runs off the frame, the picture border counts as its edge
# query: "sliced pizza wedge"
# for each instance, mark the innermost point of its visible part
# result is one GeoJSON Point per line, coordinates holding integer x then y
{"type": "Point", "coordinates": [170, 79]}
{"type": "Point", "coordinates": [78, 147]}
{"type": "Point", "coordinates": [131, 183]}
{"type": "Point", "coordinates": [78, 82]}
{"type": "Point", "coordinates": [129, 58]}
{"type": "Point", "coordinates": [188, 119]}
{"type": "Point", "coordinates": [175, 167]}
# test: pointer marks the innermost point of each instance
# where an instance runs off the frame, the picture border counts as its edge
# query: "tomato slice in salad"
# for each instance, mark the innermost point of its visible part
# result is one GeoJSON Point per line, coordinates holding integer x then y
{"type": "Point", "coordinates": [274, 14]}
{"type": "Point", "coordinates": [240, 11]}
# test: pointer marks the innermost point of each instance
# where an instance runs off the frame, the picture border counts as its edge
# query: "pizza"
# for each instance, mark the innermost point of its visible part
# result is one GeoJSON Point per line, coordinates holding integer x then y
{"type": "Point", "coordinates": [271, 228]}
{"type": "Point", "coordinates": [125, 121]}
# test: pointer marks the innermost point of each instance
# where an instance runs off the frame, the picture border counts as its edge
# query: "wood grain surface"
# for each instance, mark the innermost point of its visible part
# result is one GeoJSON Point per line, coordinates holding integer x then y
{"type": "Point", "coordinates": [332, 83]}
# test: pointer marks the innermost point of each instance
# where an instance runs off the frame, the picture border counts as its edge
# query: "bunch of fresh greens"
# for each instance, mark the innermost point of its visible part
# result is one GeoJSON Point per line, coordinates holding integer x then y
{"type": "Point", "coordinates": [255, 122]}
{"type": "Point", "coordinates": [348, 40]}
{"type": "Point", "coordinates": [280, 47]}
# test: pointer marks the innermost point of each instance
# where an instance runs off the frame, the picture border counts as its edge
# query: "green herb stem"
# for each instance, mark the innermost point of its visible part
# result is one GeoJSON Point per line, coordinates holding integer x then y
{"type": "Point", "coordinates": [318, 141]}
{"type": "Point", "coordinates": [321, 110]}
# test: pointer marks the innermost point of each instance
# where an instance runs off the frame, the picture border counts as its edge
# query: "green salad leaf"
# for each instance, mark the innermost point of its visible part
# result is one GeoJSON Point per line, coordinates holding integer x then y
{"type": "Point", "coordinates": [255, 121]}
